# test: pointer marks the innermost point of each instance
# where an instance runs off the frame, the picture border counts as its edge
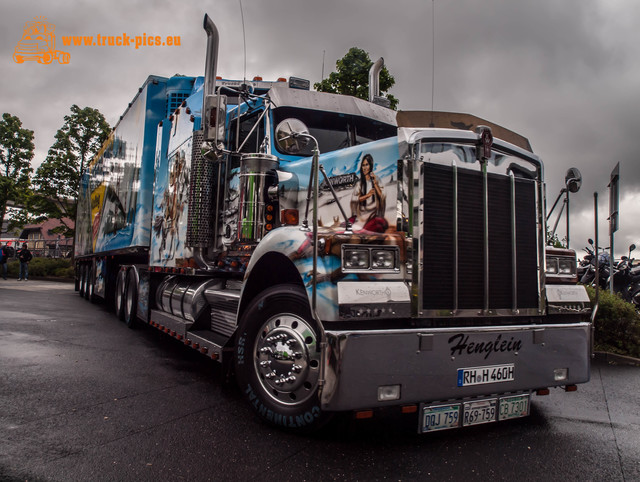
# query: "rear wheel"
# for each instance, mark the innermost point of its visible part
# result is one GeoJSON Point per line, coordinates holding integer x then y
{"type": "Point", "coordinates": [88, 285]}
{"type": "Point", "coordinates": [131, 299]}
{"type": "Point", "coordinates": [278, 357]}
{"type": "Point", "coordinates": [119, 297]}
{"type": "Point", "coordinates": [83, 278]}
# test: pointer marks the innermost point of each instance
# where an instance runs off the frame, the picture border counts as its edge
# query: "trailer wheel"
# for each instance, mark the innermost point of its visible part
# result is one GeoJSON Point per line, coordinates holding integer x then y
{"type": "Point", "coordinates": [88, 285]}
{"type": "Point", "coordinates": [83, 280]}
{"type": "Point", "coordinates": [131, 300]}
{"type": "Point", "coordinates": [277, 359]}
{"type": "Point", "coordinates": [119, 297]}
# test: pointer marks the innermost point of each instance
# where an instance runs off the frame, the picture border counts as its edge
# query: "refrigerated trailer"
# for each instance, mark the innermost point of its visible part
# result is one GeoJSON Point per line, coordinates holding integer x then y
{"type": "Point", "coordinates": [333, 254]}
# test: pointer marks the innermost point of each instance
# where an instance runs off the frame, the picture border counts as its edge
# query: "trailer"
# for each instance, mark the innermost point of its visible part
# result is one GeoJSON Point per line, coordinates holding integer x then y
{"type": "Point", "coordinates": [333, 254]}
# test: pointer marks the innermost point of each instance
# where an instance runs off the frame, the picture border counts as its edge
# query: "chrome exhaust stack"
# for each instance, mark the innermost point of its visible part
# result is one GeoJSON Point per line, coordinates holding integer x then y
{"type": "Point", "coordinates": [374, 84]}
{"type": "Point", "coordinates": [206, 160]}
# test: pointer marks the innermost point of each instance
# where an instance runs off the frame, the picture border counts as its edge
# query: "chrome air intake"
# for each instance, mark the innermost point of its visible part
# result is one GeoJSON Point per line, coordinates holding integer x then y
{"type": "Point", "coordinates": [254, 169]}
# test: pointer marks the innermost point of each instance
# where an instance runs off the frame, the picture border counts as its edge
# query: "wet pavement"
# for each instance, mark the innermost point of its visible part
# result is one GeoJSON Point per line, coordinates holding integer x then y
{"type": "Point", "coordinates": [82, 397]}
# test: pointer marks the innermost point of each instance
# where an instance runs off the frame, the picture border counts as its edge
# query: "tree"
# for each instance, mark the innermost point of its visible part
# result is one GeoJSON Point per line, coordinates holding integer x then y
{"type": "Point", "coordinates": [352, 77]}
{"type": "Point", "coordinates": [57, 180]}
{"type": "Point", "coordinates": [16, 152]}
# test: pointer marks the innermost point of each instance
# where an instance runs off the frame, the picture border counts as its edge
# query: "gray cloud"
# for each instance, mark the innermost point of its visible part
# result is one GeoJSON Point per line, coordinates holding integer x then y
{"type": "Point", "coordinates": [564, 74]}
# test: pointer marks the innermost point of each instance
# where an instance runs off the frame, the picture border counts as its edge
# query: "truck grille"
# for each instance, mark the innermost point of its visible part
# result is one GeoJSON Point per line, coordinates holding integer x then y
{"type": "Point", "coordinates": [439, 275]}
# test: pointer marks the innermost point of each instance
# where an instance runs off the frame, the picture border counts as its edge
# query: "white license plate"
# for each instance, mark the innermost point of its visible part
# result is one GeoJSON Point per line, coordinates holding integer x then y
{"type": "Point", "coordinates": [479, 411]}
{"type": "Point", "coordinates": [440, 417]}
{"type": "Point", "coordinates": [513, 407]}
{"type": "Point", "coordinates": [489, 374]}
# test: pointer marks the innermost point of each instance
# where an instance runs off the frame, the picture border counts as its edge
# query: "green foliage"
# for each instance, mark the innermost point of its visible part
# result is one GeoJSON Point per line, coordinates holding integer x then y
{"type": "Point", "coordinates": [617, 324]}
{"type": "Point", "coordinates": [554, 241]}
{"type": "Point", "coordinates": [57, 180]}
{"type": "Point", "coordinates": [44, 268]}
{"type": "Point", "coordinates": [16, 152]}
{"type": "Point", "coordinates": [352, 77]}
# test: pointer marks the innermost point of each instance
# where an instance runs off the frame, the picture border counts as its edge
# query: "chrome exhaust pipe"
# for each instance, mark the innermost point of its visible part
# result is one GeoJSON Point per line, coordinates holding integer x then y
{"type": "Point", "coordinates": [211, 61]}
{"type": "Point", "coordinates": [374, 79]}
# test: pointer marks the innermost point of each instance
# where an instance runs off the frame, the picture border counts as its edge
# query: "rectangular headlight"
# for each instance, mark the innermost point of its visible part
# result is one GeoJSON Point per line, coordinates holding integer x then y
{"type": "Point", "coordinates": [359, 258]}
{"type": "Point", "coordinates": [355, 258]}
{"type": "Point", "coordinates": [552, 265]}
{"type": "Point", "coordinates": [567, 266]}
{"type": "Point", "coordinates": [383, 258]}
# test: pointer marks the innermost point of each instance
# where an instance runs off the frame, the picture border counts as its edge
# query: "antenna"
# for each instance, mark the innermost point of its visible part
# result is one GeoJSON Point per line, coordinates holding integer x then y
{"type": "Point", "coordinates": [244, 41]}
{"type": "Point", "coordinates": [433, 52]}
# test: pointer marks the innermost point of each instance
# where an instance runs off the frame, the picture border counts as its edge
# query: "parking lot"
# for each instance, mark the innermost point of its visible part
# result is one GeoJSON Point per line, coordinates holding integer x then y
{"type": "Point", "coordinates": [85, 398]}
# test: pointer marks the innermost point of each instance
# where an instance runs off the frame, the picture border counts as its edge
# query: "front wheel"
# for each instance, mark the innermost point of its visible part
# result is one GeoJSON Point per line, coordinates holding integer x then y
{"type": "Point", "coordinates": [278, 357]}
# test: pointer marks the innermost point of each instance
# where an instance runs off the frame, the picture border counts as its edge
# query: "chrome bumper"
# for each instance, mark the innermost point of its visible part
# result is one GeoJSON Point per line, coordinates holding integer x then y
{"type": "Point", "coordinates": [425, 362]}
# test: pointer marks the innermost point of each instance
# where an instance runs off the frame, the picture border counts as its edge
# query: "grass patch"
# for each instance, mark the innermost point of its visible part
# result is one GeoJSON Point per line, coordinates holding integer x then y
{"type": "Point", "coordinates": [44, 268]}
{"type": "Point", "coordinates": [617, 325]}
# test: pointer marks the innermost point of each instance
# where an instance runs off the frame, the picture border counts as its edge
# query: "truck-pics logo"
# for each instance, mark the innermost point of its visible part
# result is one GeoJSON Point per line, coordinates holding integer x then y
{"type": "Point", "coordinates": [38, 43]}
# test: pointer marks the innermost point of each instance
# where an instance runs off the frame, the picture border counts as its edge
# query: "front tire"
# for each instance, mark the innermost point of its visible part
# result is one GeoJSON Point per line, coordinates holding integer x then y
{"type": "Point", "coordinates": [278, 358]}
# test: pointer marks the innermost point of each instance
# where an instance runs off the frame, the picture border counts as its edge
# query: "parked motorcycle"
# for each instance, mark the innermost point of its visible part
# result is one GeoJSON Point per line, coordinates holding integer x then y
{"type": "Point", "coordinates": [626, 279]}
{"type": "Point", "coordinates": [587, 268]}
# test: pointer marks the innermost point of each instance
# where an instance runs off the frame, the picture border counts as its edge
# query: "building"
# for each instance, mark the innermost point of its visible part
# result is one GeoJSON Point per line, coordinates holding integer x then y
{"type": "Point", "coordinates": [43, 241]}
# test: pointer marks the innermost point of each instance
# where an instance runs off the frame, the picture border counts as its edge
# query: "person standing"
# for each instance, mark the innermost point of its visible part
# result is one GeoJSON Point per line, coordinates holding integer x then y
{"type": "Point", "coordinates": [24, 255]}
{"type": "Point", "coordinates": [4, 256]}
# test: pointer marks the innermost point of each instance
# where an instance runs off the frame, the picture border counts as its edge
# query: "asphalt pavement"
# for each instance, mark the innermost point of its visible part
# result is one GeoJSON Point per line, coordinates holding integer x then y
{"type": "Point", "coordinates": [83, 398]}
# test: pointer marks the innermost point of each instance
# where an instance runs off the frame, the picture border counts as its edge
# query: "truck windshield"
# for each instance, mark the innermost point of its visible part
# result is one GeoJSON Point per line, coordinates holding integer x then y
{"type": "Point", "coordinates": [335, 131]}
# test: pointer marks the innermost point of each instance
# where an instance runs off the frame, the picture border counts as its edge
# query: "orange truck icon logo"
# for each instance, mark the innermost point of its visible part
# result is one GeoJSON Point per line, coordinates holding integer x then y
{"type": "Point", "coordinates": [38, 43]}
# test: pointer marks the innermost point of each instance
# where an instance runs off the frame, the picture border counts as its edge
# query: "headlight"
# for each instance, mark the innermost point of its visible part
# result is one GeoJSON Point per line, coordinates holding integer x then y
{"type": "Point", "coordinates": [370, 258]}
{"type": "Point", "coordinates": [561, 266]}
{"type": "Point", "coordinates": [355, 259]}
{"type": "Point", "coordinates": [383, 258]}
{"type": "Point", "coordinates": [567, 266]}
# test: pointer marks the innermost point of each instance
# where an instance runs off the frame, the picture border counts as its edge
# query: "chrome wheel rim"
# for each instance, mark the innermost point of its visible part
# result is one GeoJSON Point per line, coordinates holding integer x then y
{"type": "Point", "coordinates": [287, 359]}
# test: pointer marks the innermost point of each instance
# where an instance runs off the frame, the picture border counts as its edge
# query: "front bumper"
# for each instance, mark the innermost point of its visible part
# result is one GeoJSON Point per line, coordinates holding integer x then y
{"type": "Point", "coordinates": [426, 362]}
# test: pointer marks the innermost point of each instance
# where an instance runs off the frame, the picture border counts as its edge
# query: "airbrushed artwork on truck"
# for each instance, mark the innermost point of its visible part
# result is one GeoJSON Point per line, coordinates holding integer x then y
{"type": "Point", "coordinates": [365, 185]}
{"type": "Point", "coordinates": [170, 209]}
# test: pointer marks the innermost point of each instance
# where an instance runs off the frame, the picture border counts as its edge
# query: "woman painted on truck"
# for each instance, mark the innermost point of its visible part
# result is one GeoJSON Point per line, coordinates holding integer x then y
{"type": "Point", "coordinates": [368, 200]}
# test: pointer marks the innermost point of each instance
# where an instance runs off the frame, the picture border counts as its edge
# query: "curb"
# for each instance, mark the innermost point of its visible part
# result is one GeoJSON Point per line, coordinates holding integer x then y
{"type": "Point", "coordinates": [617, 359]}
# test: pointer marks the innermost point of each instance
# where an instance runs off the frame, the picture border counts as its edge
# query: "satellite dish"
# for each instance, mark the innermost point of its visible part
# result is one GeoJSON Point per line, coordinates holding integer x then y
{"type": "Point", "coordinates": [573, 180]}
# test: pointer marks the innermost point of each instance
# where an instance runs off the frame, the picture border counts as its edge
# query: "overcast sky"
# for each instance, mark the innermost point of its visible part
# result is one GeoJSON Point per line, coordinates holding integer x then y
{"type": "Point", "coordinates": [563, 73]}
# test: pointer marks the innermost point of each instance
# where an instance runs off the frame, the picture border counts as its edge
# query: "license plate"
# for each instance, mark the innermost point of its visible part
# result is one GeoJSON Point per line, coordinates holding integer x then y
{"type": "Point", "coordinates": [440, 417]}
{"type": "Point", "coordinates": [513, 407]}
{"type": "Point", "coordinates": [489, 374]}
{"type": "Point", "coordinates": [479, 411]}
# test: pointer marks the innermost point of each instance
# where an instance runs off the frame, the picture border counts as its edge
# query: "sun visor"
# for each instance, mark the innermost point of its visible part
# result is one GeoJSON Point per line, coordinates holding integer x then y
{"type": "Point", "coordinates": [283, 96]}
{"type": "Point", "coordinates": [454, 120]}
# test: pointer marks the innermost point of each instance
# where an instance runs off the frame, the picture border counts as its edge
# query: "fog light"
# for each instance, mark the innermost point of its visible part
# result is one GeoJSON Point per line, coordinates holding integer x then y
{"type": "Point", "coordinates": [560, 374]}
{"type": "Point", "coordinates": [388, 392]}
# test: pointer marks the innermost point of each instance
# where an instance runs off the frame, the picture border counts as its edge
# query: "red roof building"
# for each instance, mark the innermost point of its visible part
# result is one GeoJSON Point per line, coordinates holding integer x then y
{"type": "Point", "coordinates": [42, 241]}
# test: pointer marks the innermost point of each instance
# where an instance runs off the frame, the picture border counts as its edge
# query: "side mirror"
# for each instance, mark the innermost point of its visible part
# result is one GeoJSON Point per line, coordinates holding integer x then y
{"type": "Point", "coordinates": [573, 180]}
{"type": "Point", "coordinates": [292, 136]}
{"type": "Point", "coordinates": [590, 241]}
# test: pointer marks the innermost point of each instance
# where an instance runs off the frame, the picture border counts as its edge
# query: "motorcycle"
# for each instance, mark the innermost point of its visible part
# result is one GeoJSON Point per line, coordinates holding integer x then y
{"type": "Point", "coordinates": [587, 269]}
{"type": "Point", "coordinates": [626, 279]}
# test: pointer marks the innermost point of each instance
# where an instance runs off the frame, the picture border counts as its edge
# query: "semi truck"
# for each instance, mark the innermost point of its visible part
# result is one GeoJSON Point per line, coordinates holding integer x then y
{"type": "Point", "coordinates": [333, 254]}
